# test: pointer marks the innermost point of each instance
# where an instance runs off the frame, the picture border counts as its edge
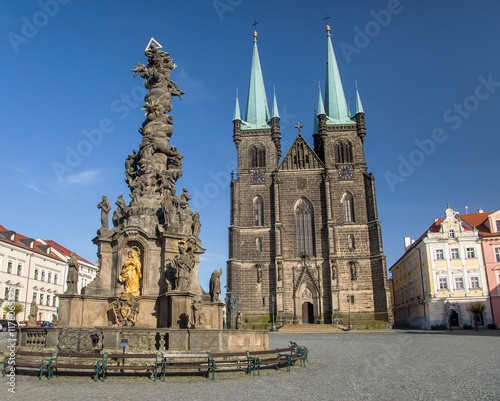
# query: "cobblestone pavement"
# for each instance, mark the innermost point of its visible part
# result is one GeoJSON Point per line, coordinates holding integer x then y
{"type": "Point", "coordinates": [388, 365]}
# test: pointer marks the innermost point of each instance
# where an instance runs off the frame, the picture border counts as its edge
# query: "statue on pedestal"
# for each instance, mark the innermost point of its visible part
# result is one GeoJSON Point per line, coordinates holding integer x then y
{"type": "Point", "coordinates": [215, 285]}
{"type": "Point", "coordinates": [183, 264]}
{"type": "Point", "coordinates": [72, 280]}
{"type": "Point", "coordinates": [33, 314]}
{"type": "Point", "coordinates": [131, 273]}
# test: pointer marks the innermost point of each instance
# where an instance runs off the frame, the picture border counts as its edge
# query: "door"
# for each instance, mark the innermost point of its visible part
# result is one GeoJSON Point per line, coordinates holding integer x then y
{"type": "Point", "coordinates": [307, 313]}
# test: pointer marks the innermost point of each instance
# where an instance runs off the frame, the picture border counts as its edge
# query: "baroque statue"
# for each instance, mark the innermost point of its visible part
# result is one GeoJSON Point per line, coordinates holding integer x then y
{"type": "Point", "coordinates": [131, 272]}
{"type": "Point", "coordinates": [215, 285]}
{"type": "Point", "coordinates": [72, 279]}
{"type": "Point", "coordinates": [183, 264]}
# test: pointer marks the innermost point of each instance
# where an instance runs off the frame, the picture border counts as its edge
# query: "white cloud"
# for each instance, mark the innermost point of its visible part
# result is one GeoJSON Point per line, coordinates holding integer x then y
{"type": "Point", "coordinates": [84, 178]}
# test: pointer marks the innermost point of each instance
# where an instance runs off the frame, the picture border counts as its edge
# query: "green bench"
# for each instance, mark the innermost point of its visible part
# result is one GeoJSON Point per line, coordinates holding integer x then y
{"type": "Point", "coordinates": [188, 363]}
{"type": "Point", "coordinates": [29, 361]}
{"type": "Point", "coordinates": [152, 364]}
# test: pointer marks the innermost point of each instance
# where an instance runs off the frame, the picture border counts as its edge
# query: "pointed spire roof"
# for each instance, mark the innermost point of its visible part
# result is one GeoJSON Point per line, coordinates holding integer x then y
{"type": "Point", "coordinates": [359, 105]}
{"type": "Point", "coordinates": [315, 123]}
{"type": "Point", "coordinates": [275, 105]}
{"type": "Point", "coordinates": [257, 113]}
{"type": "Point", "coordinates": [237, 114]}
{"type": "Point", "coordinates": [321, 107]}
{"type": "Point", "coordinates": [335, 101]}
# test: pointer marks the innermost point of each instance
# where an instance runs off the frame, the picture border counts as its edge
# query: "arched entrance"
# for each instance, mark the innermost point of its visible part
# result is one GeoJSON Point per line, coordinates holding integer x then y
{"type": "Point", "coordinates": [454, 321]}
{"type": "Point", "coordinates": [307, 313]}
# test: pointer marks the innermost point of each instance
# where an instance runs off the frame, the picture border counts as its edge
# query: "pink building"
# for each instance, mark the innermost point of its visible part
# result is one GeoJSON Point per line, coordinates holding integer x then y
{"type": "Point", "coordinates": [488, 226]}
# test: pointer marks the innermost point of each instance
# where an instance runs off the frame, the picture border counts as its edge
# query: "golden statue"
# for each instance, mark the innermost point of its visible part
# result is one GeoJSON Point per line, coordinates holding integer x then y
{"type": "Point", "coordinates": [131, 273]}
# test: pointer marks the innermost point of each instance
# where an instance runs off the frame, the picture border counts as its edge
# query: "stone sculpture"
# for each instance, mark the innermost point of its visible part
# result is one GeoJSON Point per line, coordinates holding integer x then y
{"type": "Point", "coordinates": [183, 264]}
{"type": "Point", "coordinates": [215, 285]}
{"type": "Point", "coordinates": [72, 279]}
{"type": "Point", "coordinates": [33, 317]}
{"type": "Point", "coordinates": [105, 208]}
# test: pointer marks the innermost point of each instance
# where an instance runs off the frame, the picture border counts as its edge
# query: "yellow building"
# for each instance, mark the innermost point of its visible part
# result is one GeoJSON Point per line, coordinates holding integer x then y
{"type": "Point", "coordinates": [439, 275]}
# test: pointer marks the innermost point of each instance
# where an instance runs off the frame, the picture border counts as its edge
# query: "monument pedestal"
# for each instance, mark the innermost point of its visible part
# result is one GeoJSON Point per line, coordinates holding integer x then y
{"type": "Point", "coordinates": [179, 309]}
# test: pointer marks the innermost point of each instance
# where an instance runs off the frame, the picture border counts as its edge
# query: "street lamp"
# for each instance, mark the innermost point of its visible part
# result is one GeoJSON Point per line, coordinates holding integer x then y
{"type": "Point", "coordinates": [273, 300]}
{"type": "Point", "coordinates": [349, 300]}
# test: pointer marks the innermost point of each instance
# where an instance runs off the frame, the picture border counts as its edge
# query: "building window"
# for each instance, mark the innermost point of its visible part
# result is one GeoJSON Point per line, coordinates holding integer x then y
{"type": "Point", "coordinates": [304, 228]}
{"type": "Point", "coordinates": [474, 282]}
{"type": "Point", "coordinates": [257, 156]}
{"type": "Point", "coordinates": [443, 283]}
{"type": "Point", "coordinates": [36, 274]}
{"type": "Point", "coordinates": [6, 293]}
{"type": "Point", "coordinates": [454, 253]}
{"type": "Point", "coordinates": [343, 151]}
{"type": "Point", "coordinates": [34, 297]}
{"type": "Point", "coordinates": [459, 283]}
{"type": "Point", "coordinates": [17, 294]}
{"type": "Point", "coordinates": [451, 234]}
{"type": "Point", "coordinates": [350, 242]}
{"type": "Point", "coordinates": [497, 222]}
{"type": "Point", "coordinates": [41, 299]}
{"type": "Point", "coordinates": [42, 276]}
{"type": "Point", "coordinates": [258, 209]}
{"type": "Point", "coordinates": [9, 266]}
{"type": "Point", "coordinates": [497, 254]}
{"type": "Point", "coordinates": [49, 277]}
{"type": "Point", "coordinates": [54, 301]}
{"type": "Point", "coordinates": [19, 269]}
{"type": "Point", "coordinates": [348, 208]}
{"type": "Point", "coordinates": [439, 254]}
{"type": "Point", "coordinates": [470, 253]}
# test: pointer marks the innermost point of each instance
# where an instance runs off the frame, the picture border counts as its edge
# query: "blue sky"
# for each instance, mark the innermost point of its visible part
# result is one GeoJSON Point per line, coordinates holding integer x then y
{"type": "Point", "coordinates": [428, 74]}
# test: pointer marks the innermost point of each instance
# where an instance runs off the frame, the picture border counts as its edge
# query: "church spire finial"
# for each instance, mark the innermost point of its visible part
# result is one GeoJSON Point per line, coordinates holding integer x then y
{"type": "Point", "coordinates": [327, 28]}
{"type": "Point", "coordinates": [255, 34]}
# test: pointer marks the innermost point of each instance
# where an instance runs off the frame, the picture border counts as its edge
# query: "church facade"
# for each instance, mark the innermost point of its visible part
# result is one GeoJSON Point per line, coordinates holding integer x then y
{"type": "Point", "coordinates": [305, 241]}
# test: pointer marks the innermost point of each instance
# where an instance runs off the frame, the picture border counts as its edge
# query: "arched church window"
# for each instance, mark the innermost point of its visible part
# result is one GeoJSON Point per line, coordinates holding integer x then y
{"type": "Point", "coordinates": [257, 156]}
{"type": "Point", "coordinates": [348, 202]}
{"type": "Point", "coordinates": [343, 152]}
{"type": "Point", "coordinates": [304, 227]}
{"type": "Point", "coordinates": [258, 209]}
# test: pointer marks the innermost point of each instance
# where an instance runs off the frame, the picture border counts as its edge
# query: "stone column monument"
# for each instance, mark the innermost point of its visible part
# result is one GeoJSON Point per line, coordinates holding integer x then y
{"type": "Point", "coordinates": [149, 259]}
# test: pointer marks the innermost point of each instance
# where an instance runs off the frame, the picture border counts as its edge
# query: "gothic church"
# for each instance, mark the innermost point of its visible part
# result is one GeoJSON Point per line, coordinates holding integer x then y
{"type": "Point", "coordinates": [305, 241]}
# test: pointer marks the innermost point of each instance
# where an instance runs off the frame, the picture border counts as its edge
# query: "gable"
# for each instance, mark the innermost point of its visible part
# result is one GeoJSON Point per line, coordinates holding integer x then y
{"type": "Point", "coordinates": [300, 156]}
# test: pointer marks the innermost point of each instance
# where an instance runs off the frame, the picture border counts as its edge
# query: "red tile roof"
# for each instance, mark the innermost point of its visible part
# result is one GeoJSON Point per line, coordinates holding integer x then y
{"type": "Point", "coordinates": [38, 247]}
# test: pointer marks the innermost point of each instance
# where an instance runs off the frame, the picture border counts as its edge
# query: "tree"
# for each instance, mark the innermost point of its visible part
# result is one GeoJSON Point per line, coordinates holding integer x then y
{"type": "Point", "coordinates": [476, 308]}
{"type": "Point", "coordinates": [18, 308]}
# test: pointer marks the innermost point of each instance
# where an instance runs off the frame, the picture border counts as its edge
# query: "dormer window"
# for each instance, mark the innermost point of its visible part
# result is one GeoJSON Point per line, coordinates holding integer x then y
{"type": "Point", "coordinates": [451, 233]}
{"type": "Point", "coordinates": [497, 223]}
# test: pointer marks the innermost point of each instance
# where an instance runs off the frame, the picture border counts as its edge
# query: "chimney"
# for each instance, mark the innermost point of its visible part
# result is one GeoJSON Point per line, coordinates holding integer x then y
{"type": "Point", "coordinates": [408, 242]}
{"type": "Point", "coordinates": [480, 210]}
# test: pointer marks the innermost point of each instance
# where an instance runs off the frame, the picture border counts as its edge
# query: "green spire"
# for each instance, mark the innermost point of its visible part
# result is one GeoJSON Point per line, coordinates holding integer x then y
{"type": "Point", "coordinates": [335, 101]}
{"type": "Point", "coordinates": [315, 123]}
{"type": "Point", "coordinates": [275, 105]}
{"type": "Point", "coordinates": [237, 115]}
{"type": "Point", "coordinates": [257, 106]}
{"type": "Point", "coordinates": [321, 107]}
{"type": "Point", "coordinates": [359, 105]}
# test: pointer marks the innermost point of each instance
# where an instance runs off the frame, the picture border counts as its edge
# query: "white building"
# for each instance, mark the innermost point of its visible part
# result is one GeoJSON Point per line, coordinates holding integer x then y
{"type": "Point", "coordinates": [34, 269]}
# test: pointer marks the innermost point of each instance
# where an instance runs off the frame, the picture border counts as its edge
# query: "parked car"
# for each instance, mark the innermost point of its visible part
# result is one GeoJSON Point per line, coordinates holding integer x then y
{"type": "Point", "coordinates": [8, 325]}
{"type": "Point", "coordinates": [22, 323]}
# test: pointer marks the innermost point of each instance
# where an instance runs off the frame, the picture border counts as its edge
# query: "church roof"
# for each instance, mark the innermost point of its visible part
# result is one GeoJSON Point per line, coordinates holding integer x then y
{"type": "Point", "coordinates": [300, 156]}
{"type": "Point", "coordinates": [336, 106]}
{"type": "Point", "coordinates": [257, 112]}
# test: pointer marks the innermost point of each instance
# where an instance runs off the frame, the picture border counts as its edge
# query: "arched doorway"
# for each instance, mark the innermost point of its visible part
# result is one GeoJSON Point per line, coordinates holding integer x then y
{"type": "Point", "coordinates": [454, 321]}
{"type": "Point", "coordinates": [307, 313]}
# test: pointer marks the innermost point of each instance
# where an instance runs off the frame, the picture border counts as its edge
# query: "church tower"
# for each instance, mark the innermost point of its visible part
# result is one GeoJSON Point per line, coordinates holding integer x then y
{"type": "Point", "coordinates": [257, 140]}
{"type": "Point", "coordinates": [305, 242]}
